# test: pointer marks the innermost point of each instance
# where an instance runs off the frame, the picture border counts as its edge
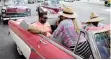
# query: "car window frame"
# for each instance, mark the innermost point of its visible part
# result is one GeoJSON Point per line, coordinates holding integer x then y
{"type": "Point", "coordinates": [97, 49]}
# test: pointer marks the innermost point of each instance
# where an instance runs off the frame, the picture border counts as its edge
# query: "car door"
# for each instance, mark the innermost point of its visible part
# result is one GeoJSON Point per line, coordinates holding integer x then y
{"type": "Point", "coordinates": [102, 44]}
{"type": "Point", "coordinates": [49, 51]}
{"type": "Point", "coordinates": [82, 47]}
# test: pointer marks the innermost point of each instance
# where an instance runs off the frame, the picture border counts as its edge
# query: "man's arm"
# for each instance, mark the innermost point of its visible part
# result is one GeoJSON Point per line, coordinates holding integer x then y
{"type": "Point", "coordinates": [33, 29]}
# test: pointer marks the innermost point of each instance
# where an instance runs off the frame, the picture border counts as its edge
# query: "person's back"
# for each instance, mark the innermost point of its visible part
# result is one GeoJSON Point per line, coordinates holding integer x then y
{"type": "Point", "coordinates": [66, 27]}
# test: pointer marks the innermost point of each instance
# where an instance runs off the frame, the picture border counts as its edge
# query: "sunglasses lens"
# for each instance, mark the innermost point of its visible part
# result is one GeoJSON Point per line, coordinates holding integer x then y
{"type": "Point", "coordinates": [45, 17]}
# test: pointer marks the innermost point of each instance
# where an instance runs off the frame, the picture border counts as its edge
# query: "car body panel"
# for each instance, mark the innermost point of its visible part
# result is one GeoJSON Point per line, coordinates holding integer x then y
{"type": "Point", "coordinates": [12, 10]}
{"type": "Point", "coordinates": [54, 7]}
{"type": "Point", "coordinates": [99, 51]}
{"type": "Point", "coordinates": [20, 43]}
{"type": "Point", "coordinates": [37, 43]}
{"type": "Point", "coordinates": [45, 48]}
{"type": "Point", "coordinates": [18, 9]}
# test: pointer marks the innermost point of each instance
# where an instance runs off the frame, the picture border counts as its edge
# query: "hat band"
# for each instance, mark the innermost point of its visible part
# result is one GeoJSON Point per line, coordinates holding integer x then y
{"type": "Point", "coordinates": [67, 13]}
{"type": "Point", "coordinates": [94, 17]}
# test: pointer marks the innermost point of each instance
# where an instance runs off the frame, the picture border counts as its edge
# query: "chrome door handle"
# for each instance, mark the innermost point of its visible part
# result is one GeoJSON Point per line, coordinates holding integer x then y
{"type": "Point", "coordinates": [41, 40]}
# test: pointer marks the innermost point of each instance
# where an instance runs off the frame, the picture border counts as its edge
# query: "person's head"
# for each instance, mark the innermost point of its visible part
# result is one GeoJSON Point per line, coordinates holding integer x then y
{"type": "Point", "coordinates": [42, 13]}
{"type": "Point", "coordinates": [93, 23]}
{"type": "Point", "coordinates": [61, 17]}
{"type": "Point", "coordinates": [43, 18]}
{"type": "Point", "coordinates": [68, 13]}
{"type": "Point", "coordinates": [94, 19]}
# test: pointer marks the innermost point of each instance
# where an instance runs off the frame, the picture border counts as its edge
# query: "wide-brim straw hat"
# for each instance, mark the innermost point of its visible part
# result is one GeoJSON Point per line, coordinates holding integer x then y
{"type": "Point", "coordinates": [94, 18]}
{"type": "Point", "coordinates": [68, 12]}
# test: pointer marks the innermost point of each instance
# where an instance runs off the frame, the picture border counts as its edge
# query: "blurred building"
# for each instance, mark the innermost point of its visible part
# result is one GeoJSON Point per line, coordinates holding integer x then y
{"type": "Point", "coordinates": [32, 1]}
{"type": "Point", "coordinates": [92, 0]}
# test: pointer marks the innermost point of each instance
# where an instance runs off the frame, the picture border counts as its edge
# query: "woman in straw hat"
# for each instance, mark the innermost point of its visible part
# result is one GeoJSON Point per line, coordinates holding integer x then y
{"type": "Point", "coordinates": [67, 29]}
{"type": "Point", "coordinates": [93, 21]}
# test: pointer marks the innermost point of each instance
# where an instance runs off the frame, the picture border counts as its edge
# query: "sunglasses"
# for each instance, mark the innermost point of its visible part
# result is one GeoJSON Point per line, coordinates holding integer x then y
{"type": "Point", "coordinates": [44, 17]}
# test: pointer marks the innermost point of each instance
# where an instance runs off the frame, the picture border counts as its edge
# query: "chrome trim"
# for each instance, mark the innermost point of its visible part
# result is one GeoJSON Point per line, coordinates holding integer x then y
{"type": "Point", "coordinates": [41, 40]}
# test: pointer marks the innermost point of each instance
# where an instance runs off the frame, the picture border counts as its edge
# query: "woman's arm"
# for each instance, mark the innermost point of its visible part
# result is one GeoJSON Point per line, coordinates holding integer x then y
{"type": "Point", "coordinates": [58, 30]}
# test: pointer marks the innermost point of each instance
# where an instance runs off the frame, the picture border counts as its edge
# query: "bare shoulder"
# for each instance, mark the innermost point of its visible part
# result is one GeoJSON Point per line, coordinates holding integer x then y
{"type": "Point", "coordinates": [47, 24]}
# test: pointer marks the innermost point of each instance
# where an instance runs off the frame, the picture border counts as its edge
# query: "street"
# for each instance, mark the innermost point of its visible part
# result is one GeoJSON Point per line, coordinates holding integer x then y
{"type": "Point", "coordinates": [83, 11]}
{"type": "Point", "coordinates": [7, 45]}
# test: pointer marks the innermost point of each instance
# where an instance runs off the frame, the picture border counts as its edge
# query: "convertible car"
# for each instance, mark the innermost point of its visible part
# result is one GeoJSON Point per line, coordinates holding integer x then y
{"type": "Point", "coordinates": [51, 6]}
{"type": "Point", "coordinates": [38, 46]}
{"type": "Point", "coordinates": [13, 9]}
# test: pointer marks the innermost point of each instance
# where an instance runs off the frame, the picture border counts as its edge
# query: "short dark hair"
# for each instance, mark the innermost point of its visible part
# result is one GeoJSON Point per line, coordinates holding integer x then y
{"type": "Point", "coordinates": [41, 14]}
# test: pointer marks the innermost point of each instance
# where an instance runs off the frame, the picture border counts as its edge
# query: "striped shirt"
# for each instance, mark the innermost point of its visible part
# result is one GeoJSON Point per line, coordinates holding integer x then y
{"type": "Point", "coordinates": [67, 32]}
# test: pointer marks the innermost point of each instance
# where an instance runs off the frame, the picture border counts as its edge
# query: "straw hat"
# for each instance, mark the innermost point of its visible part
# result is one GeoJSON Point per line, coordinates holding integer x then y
{"type": "Point", "coordinates": [94, 18]}
{"type": "Point", "coordinates": [68, 12]}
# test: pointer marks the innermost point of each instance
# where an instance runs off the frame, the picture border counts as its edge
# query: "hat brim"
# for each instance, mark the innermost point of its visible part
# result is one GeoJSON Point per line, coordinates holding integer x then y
{"type": "Point", "coordinates": [95, 20]}
{"type": "Point", "coordinates": [68, 15]}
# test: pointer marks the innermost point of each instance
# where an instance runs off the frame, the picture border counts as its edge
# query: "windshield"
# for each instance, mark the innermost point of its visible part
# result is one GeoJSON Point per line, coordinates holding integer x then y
{"type": "Point", "coordinates": [9, 2]}
{"type": "Point", "coordinates": [52, 3]}
{"type": "Point", "coordinates": [15, 3]}
{"type": "Point", "coordinates": [19, 2]}
{"type": "Point", "coordinates": [55, 3]}
{"type": "Point", "coordinates": [103, 44]}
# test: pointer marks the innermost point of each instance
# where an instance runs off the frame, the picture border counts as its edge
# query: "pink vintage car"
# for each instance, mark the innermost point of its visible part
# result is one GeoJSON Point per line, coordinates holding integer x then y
{"type": "Point", "coordinates": [37, 46]}
{"type": "Point", "coordinates": [53, 7]}
{"type": "Point", "coordinates": [41, 47]}
{"type": "Point", "coordinates": [12, 9]}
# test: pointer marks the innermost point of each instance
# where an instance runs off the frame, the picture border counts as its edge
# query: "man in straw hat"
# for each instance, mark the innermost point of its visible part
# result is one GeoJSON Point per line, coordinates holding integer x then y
{"type": "Point", "coordinates": [67, 29]}
{"type": "Point", "coordinates": [93, 21]}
